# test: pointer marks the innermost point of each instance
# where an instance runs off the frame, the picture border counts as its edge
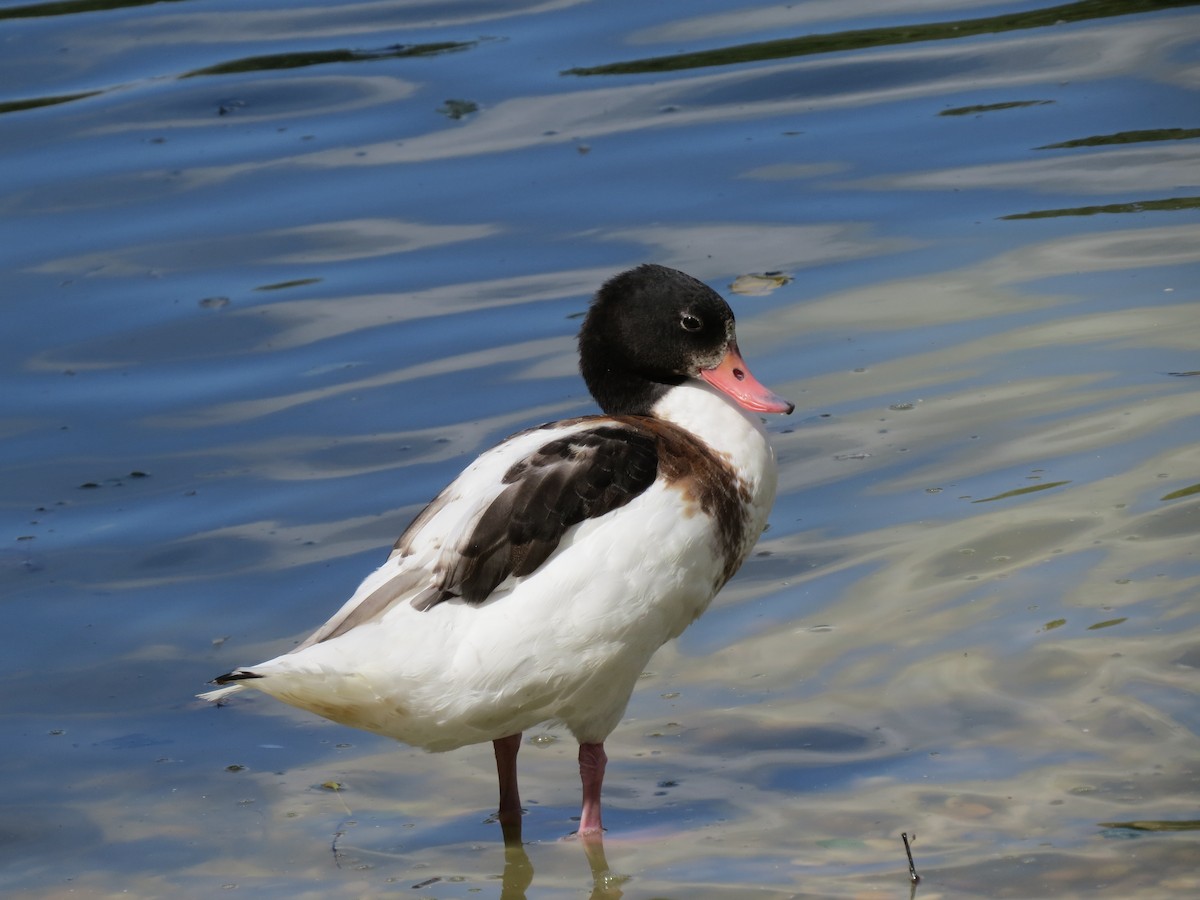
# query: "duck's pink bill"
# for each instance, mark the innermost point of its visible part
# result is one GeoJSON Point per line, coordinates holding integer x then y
{"type": "Point", "coordinates": [731, 376]}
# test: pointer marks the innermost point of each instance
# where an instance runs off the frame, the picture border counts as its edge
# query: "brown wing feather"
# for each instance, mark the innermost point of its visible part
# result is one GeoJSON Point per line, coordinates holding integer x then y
{"type": "Point", "coordinates": [568, 480]}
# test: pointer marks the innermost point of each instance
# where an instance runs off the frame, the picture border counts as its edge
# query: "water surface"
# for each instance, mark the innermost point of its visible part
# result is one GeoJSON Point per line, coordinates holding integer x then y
{"type": "Point", "coordinates": [275, 272]}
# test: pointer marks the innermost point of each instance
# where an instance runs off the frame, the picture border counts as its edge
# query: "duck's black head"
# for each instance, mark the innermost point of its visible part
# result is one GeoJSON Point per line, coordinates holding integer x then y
{"type": "Point", "coordinates": [652, 328]}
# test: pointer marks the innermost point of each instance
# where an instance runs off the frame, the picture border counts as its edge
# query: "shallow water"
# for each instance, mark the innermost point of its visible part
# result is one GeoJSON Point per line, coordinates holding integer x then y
{"type": "Point", "coordinates": [275, 271]}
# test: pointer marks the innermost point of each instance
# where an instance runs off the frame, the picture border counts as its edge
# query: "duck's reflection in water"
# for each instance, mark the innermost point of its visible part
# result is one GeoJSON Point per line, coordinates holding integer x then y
{"type": "Point", "coordinates": [518, 867]}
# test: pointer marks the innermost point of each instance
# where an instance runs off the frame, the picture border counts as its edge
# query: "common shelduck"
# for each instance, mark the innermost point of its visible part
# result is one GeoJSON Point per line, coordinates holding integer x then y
{"type": "Point", "coordinates": [536, 587]}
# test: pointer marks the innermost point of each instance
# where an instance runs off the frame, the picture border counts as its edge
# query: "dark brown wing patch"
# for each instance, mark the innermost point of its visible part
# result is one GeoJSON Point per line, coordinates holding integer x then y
{"type": "Point", "coordinates": [568, 480]}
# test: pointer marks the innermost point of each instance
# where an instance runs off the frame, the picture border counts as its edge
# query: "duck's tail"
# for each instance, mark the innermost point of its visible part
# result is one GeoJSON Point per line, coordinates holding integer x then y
{"type": "Point", "coordinates": [229, 689]}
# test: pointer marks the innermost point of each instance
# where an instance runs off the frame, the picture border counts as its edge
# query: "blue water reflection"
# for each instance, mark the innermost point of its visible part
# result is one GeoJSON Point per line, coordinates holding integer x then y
{"type": "Point", "coordinates": [257, 317]}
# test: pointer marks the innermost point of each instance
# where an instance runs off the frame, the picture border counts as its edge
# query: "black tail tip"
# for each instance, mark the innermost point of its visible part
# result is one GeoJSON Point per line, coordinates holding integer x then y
{"type": "Point", "coordinates": [236, 675]}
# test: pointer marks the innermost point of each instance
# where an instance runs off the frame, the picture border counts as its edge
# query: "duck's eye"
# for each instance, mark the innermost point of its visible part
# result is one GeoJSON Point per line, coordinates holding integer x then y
{"type": "Point", "coordinates": [690, 322]}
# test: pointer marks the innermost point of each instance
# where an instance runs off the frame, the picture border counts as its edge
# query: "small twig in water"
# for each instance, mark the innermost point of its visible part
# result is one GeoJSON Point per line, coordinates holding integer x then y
{"type": "Point", "coordinates": [342, 825]}
{"type": "Point", "coordinates": [337, 853]}
{"type": "Point", "coordinates": [912, 869]}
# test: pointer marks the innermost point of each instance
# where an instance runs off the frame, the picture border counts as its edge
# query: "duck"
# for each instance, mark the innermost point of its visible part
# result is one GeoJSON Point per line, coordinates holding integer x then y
{"type": "Point", "coordinates": [537, 585]}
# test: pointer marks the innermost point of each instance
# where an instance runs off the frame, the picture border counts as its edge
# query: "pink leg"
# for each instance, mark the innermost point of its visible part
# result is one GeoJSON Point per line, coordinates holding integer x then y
{"type": "Point", "coordinates": [506, 768]}
{"type": "Point", "coordinates": [591, 773]}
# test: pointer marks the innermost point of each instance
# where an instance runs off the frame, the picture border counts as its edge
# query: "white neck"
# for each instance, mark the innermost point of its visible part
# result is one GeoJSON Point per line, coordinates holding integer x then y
{"type": "Point", "coordinates": [727, 428]}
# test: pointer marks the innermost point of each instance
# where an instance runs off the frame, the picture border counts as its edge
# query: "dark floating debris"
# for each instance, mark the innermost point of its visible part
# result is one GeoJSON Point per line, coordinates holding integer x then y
{"type": "Point", "coordinates": [992, 107]}
{"type": "Point", "coordinates": [114, 482]}
{"type": "Point", "coordinates": [1156, 825]}
{"type": "Point", "coordinates": [279, 61]}
{"type": "Point", "coordinates": [37, 102]}
{"type": "Point", "coordinates": [1169, 204]}
{"type": "Point", "coordinates": [1126, 137]}
{"type": "Point", "coordinates": [1188, 491]}
{"type": "Point", "coordinates": [1018, 492]}
{"type": "Point", "coordinates": [284, 285]}
{"type": "Point", "coordinates": [458, 109]}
